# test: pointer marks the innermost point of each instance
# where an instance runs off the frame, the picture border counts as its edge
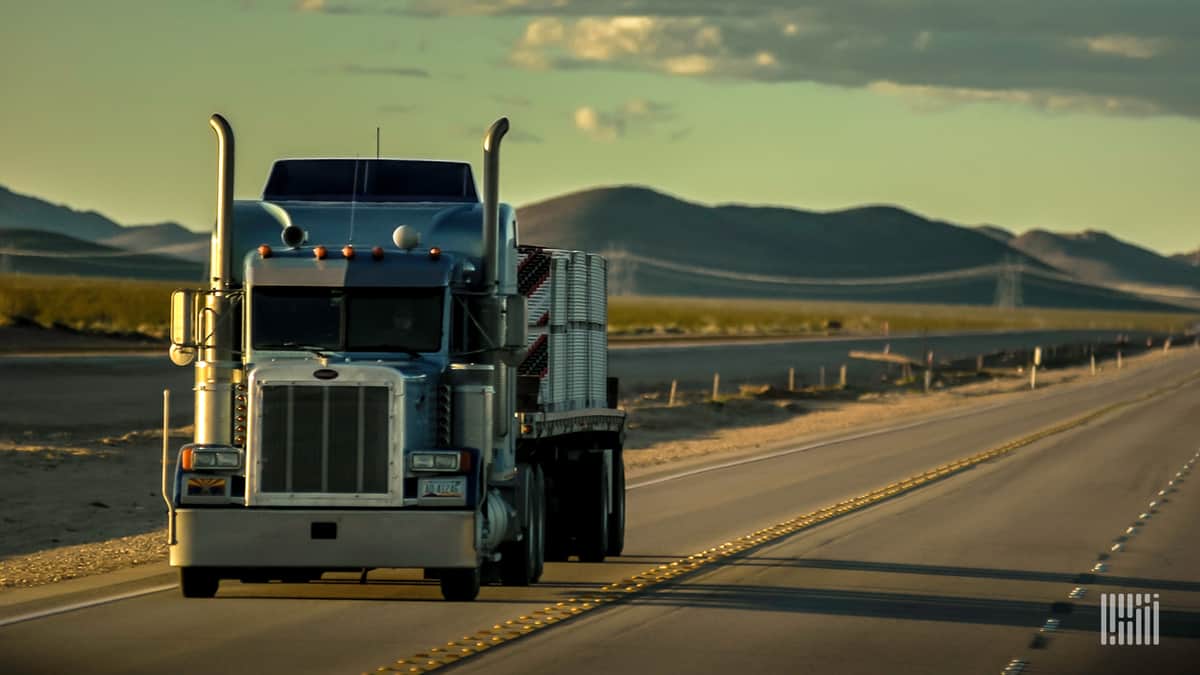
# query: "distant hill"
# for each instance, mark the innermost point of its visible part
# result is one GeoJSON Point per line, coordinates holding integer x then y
{"type": "Point", "coordinates": [70, 256]}
{"type": "Point", "coordinates": [998, 233]}
{"type": "Point", "coordinates": [748, 242]}
{"type": "Point", "coordinates": [1101, 258]}
{"type": "Point", "coordinates": [871, 241]}
{"type": "Point", "coordinates": [1192, 258]}
{"type": "Point", "coordinates": [23, 212]}
{"type": "Point", "coordinates": [162, 238]}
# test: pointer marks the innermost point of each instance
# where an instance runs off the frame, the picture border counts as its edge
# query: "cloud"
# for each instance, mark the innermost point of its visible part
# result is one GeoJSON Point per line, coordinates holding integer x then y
{"type": "Point", "coordinates": [608, 126]}
{"type": "Point", "coordinates": [390, 71]}
{"type": "Point", "coordinates": [1129, 46]}
{"type": "Point", "coordinates": [927, 98]}
{"type": "Point", "coordinates": [1121, 57]}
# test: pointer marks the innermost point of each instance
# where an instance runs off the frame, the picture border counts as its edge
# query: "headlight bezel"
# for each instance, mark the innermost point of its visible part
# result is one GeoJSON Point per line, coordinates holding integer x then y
{"type": "Point", "coordinates": [211, 458]}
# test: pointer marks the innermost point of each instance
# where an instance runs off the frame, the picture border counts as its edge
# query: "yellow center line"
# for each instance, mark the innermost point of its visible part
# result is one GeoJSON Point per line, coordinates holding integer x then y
{"type": "Point", "coordinates": [455, 651]}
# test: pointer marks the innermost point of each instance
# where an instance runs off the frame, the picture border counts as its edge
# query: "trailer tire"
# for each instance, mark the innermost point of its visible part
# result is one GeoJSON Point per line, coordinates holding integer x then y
{"type": "Point", "coordinates": [616, 518]}
{"type": "Point", "coordinates": [539, 493]}
{"type": "Point", "coordinates": [557, 537]}
{"type": "Point", "coordinates": [460, 584]}
{"type": "Point", "coordinates": [592, 542]}
{"type": "Point", "coordinates": [198, 582]}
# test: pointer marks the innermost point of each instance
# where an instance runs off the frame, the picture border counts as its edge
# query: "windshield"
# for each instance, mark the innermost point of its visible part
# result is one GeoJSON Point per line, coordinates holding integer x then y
{"type": "Point", "coordinates": [347, 319]}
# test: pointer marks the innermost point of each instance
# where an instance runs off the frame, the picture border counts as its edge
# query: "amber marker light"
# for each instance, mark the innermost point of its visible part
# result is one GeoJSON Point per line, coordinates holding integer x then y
{"type": "Point", "coordinates": [319, 252]}
{"type": "Point", "coordinates": [435, 253]}
{"type": "Point", "coordinates": [347, 251]}
{"type": "Point", "coordinates": [264, 251]}
{"type": "Point", "coordinates": [187, 460]}
{"type": "Point", "coordinates": [377, 253]}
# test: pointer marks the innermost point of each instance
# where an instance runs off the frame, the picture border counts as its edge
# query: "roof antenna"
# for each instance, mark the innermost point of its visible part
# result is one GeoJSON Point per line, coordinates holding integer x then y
{"type": "Point", "coordinates": [376, 142]}
{"type": "Point", "coordinates": [353, 200]}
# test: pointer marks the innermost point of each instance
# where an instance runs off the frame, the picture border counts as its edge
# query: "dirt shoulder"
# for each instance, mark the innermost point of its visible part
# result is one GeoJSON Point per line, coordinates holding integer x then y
{"type": "Point", "coordinates": [76, 504]}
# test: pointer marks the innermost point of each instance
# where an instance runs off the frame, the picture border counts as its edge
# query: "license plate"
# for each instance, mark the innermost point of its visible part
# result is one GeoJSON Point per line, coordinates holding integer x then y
{"type": "Point", "coordinates": [442, 488]}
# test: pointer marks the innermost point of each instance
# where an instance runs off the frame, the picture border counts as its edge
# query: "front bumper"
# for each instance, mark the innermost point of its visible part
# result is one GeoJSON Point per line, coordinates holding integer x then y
{"type": "Point", "coordinates": [323, 539]}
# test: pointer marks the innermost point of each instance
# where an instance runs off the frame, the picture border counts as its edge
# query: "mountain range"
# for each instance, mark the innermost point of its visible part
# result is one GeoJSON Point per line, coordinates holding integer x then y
{"type": "Point", "coordinates": [661, 245]}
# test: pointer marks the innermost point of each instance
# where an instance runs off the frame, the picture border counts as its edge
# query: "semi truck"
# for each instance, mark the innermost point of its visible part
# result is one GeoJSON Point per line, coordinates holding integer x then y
{"type": "Point", "coordinates": [386, 376]}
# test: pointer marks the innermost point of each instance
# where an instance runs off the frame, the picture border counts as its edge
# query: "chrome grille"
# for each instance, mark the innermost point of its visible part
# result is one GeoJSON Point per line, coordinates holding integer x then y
{"type": "Point", "coordinates": [324, 439]}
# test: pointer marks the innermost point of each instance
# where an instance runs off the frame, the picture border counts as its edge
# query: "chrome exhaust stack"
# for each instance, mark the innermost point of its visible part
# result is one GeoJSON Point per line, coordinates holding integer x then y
{"type": "Point", "coordinates": [491, 201]}
{"type": "Point", "coordinates": [495, 309]}
{"type": "Point", "coordinates": [219, 263]}
{"type": "Point", "coordinates": [216, 370]}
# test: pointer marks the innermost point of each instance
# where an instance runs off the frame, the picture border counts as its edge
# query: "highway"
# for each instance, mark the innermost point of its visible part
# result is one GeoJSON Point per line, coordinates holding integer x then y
{"type": "Point", "coordinates": [954, 573]}
{"type": "Point", "coordinates": [84, 384]}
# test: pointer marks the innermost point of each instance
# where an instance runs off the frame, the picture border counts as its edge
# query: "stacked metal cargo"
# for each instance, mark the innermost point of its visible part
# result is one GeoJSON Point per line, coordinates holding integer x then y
{"type": "Point", "coordinates": [567, 312]}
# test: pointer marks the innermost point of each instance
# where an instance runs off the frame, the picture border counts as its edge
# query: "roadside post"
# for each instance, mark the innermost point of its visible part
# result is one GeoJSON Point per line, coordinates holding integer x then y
{"type": "Point", "coordinates": [1037, 361]}
{"type": "Point", "coordinates": [928, 380]}
{"type": "Point", "coordinates": [791, 379]}
{"type": "Point", "coordinates": [671, 396]}
{"type": "Point", "coordinates": [1093, 364]}
{"type": "Point", "coordinates": [716, 385]}
{"type": "Point", "coordinates": [842, 377]}
{"type": "Point", "coordinates": [1119, 364]}
{"type": "Point", "coordinates": [822, 380]}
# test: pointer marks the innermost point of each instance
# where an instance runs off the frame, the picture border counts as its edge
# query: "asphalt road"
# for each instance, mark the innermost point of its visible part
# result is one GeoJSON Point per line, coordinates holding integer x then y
{"type": "Point", "coordinates": [954, 577]}
{"type": "Point", "coordinates": [105, 393]}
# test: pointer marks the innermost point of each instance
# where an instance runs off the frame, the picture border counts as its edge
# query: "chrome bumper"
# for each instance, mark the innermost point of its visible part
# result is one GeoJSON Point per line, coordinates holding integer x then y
{"type": "Point", "coordinates": [249, 537]}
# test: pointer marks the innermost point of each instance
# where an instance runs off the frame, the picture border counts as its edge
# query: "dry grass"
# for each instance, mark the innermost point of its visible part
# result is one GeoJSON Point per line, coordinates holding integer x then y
{"type": "Point", "coordinates": [87, 304]}
{"type": "Point", "coordinates": [695, 316]}
{"type": "Point", "coordinates": [136, 306]}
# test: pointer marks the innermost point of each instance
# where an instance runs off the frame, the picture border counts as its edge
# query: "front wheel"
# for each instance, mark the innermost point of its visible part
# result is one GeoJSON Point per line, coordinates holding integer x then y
{"type": "Point", "coordinates": [459, 584]}
{"type": "Point", "coordinates": [197, 582]}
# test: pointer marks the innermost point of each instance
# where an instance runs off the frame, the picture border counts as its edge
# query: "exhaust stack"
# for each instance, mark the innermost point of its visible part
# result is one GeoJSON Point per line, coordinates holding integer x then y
{"type": "Point", "coordinates": [219, 262]}
{"type": "Point", "coordinates": [491, 201]}
{"type": "Point", "coordinates": [216, 370]}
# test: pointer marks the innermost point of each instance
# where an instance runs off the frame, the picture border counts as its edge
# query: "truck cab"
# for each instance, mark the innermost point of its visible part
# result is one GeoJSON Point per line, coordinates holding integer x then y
{"type": "Point", "coordinates": [372, 390]}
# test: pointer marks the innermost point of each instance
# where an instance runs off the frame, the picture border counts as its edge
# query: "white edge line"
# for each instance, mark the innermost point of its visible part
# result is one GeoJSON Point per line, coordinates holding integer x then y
{"type": "Point", "coordinates": [20, 618]}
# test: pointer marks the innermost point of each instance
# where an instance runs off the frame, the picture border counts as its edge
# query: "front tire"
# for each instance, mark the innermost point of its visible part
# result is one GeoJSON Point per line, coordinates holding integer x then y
{"type": "Point", "coordinates": [197, 582]}
{"type": "Point", "coordinates": [460, 585]}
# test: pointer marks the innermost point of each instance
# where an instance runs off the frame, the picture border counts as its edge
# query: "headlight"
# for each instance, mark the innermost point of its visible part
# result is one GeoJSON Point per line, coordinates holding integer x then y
{"type": "Point", "coordinates": [434, 461]}
{"type": "Point", "coordinates": [210, 457]}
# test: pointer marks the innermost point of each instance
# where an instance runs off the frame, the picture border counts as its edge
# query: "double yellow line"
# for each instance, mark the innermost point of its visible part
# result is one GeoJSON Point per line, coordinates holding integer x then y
{"type": "Point", "coordinates": [455, 651]}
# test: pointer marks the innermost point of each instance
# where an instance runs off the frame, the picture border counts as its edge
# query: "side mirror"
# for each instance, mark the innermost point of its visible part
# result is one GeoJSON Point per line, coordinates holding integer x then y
{"type": "Point", "coordinates": [185, 304]}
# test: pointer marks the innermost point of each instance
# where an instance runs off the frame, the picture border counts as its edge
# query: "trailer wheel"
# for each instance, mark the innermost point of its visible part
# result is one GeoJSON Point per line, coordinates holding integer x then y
{"type": "Point", "coordinates": [592, 541]}
{"type": "Point", "coordinates": [460, 584]}
{"type": "Point", "coordinates": [539, 493]}
{"type": "Point", "coordinates": [557, 535]}
{"type": "Point", "coordinates": [616, 519]}
{"type": "Point", "coordinates": [197, 582]}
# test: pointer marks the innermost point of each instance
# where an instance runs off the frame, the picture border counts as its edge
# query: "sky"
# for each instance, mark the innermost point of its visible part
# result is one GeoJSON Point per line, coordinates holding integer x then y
{"type": "Point", "coordinates": [1064, 115]}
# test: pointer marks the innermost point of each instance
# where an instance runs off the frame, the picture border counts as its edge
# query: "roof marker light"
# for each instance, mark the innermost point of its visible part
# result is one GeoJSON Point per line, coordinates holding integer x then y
{"type": "Point", "coordinates": [319, 252]}
{"type": "Point", "coordinates": [377, 253]}
{"type": "Point", "coordinates": [264, 251]}
{"type": "Point", "coordinates": [347, 251]}
{"type": "Point", "coordinates": [435, 253]}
